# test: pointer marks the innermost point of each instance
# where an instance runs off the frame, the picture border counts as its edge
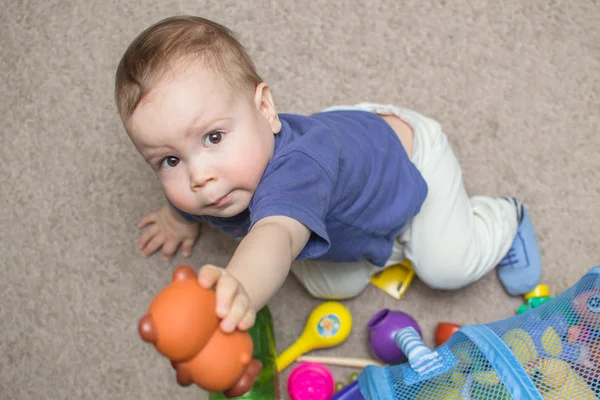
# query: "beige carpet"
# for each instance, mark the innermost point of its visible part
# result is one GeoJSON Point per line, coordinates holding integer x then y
{"type": "Point", "coordinates": [516, 84]}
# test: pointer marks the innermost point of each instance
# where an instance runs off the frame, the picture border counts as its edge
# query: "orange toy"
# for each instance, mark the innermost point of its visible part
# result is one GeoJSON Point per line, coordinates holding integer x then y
{"type": "Point", "coordinates": [183, 326]}
{"type": "Point", "coordinates": [444, 331]}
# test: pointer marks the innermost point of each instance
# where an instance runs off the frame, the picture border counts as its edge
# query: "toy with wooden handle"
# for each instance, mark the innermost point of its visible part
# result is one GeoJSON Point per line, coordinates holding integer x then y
{"type": "Point", "coordinates": [328, 325]}
{"type": "Point", "coordinates": [182, 324]}
{"type": "Point", "coordinates": [341, 361]}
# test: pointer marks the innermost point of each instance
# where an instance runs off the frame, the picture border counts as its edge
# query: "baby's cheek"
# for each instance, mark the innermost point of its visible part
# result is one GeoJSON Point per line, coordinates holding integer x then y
{"type": "Point", "coordinates": [250, 172]}
{"type": "Point", "coordinates": [178, 195]}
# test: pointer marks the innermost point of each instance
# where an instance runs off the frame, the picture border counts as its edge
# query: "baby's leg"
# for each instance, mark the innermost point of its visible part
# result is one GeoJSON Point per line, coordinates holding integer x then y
{"type": "Point", "coordinates": [333, 281]}
{"type": "Point", "coordinates": [454, 240]}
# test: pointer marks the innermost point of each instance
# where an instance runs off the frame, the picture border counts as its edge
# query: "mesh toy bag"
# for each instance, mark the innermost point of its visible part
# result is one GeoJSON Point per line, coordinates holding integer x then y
{"type": "Point", "coordinates": [549, 352]}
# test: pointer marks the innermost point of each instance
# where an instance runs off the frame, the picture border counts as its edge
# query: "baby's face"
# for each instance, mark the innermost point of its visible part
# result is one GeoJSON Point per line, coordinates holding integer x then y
{"type": "Point", "coordinates": [208, 144]}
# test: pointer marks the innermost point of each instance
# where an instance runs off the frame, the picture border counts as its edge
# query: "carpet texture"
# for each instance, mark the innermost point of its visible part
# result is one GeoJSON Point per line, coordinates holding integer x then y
{"type": "Point", "coordinates": [515, 84]}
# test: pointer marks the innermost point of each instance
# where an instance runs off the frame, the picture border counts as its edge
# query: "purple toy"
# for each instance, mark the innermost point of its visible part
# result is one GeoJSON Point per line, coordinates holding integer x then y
{"type": "Point", "coordinates": [350, 392]}
{"type": "Point", "coordinates": [382, 328]}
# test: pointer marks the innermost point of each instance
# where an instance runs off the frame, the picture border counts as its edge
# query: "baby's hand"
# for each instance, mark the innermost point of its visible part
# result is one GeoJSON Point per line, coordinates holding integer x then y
{"type": "Point", "coordinates": [234, 306]}
{"type": "Point", "coordinates": [167, 230]}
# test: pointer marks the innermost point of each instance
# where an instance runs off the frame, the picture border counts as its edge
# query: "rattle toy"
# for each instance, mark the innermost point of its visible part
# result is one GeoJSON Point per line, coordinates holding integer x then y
{"type": "Point", "coordinates": [328, 325]}
{"type": "Point", "coordinates": [182, 325]}
{"type": "Point", "coordinates": [382, 330]}
{"type": "Point", "coordinates": [341, 361]}
{"type": "Point", "coordinates": [310, 381]}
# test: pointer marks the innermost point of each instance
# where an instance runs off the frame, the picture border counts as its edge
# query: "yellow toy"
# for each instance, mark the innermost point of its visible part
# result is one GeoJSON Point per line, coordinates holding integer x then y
{"type": "Point", "coordinates": [328, 325]}
{"type": "Point", "coordinates": [395, 279]}
{"type": "Point", "coordinates": [553, 377]}
{"type": "Point", "coordinates": [521, 344]}
{"type": "Point", "coordinates": [540, 290]}
{"type": "Point", "coordinates": [560, 381]}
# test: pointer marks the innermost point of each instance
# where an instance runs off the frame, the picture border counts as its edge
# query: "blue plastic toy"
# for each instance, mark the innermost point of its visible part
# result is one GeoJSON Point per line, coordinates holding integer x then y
{"type": "Point", "coordinates": [549, 352]}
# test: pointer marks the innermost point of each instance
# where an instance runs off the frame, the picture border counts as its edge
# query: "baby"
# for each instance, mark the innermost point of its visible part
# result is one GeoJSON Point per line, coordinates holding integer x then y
{"type": "Point", "coordinates": [358, 187]}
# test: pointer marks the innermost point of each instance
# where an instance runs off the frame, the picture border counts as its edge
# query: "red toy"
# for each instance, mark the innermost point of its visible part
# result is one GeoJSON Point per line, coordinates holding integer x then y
{"type": "Point", "coordinates": [183, 326]}
{"type": "Point", "coordinates": [443, 332]}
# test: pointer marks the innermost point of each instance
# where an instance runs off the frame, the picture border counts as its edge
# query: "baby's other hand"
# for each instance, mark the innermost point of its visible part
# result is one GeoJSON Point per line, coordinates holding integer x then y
{"type": "Point", "coordinates": [234, 306]}
{"type": "Point", "coordinates": [167, 229]}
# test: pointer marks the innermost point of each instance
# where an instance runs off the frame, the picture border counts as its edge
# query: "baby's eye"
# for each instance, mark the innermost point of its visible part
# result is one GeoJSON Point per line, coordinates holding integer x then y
{"type": "Point", "coordinates": [169, 162]}
{"type": "Point", "coordinates": [213, 139]}
{"type": "Point", "coordinates": [593, 304]}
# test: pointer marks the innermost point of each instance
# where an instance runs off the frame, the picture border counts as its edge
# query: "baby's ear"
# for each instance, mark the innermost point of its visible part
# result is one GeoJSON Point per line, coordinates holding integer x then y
{"type": "Point", "coordinates": [263, 100]}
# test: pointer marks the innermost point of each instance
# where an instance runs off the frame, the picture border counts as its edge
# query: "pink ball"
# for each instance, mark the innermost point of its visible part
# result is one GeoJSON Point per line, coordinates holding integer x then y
{"type": "Point", "coordinates": [310, 381]}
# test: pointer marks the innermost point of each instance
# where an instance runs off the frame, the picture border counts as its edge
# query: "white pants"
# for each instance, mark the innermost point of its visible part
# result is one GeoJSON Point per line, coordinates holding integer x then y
{"type": "Point", "coordinates": [453, 241]}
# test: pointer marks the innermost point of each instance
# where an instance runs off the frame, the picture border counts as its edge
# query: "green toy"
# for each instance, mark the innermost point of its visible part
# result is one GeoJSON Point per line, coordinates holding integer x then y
{"type": "Point", "coordinates": [532, 303]}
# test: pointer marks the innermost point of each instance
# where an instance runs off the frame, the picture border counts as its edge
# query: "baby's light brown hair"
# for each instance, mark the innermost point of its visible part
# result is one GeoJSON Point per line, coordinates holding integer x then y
{"type": "Point", "coordinates": [180, 39]}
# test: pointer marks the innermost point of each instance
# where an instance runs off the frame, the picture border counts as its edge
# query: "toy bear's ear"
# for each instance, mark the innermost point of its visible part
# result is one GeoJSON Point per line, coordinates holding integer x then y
{"type": "Point", "coordinates": [184, 375]}
{"type": "Point", "coordinates": [147, 329]}
{"type": "Point", "coordinates": [184, 272]}
{"type": "Point", "coordinates": [247, 380]}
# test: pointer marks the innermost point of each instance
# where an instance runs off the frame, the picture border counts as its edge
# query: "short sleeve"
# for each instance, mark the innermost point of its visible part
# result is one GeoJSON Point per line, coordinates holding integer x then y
{"type": "Point", "coordinates": [298, 186]}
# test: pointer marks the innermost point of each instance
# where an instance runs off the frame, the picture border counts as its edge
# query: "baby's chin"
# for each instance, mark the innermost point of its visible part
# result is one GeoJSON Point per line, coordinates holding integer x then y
{"type": "Point", "coordinates": [225, 212]}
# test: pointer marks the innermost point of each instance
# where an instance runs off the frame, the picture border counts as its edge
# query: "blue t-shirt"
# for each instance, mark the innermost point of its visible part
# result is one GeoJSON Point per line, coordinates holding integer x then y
{"type": "Point", "coordinates": [343, 174]}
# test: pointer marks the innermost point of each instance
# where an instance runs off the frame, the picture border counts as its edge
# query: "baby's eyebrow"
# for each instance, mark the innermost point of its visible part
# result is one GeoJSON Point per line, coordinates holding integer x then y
{"type": "Point", "coordinates": [153, 153]}
{"type": "Point", "coordinates": [196, 126]}
{"type": "Point", "coordinates": [152, 146]}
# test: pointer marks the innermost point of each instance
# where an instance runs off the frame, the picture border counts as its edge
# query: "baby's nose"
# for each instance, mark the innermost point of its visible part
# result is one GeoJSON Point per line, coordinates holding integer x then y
{"type": "Point", "coordinates": [199, 178]}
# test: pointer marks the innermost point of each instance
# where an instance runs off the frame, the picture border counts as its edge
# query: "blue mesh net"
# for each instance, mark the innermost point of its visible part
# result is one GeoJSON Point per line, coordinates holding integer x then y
{"type": "Point", "coordinates": [549, 352]}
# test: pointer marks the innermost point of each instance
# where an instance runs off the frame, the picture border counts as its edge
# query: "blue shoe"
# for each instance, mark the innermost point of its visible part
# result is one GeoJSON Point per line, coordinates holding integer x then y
{"type": "Point", "coordinates": [520, 271]}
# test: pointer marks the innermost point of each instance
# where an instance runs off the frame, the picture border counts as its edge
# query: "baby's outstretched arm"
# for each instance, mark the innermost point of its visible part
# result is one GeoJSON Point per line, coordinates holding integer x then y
{"type": "Point", "coordinates": [256, 271]}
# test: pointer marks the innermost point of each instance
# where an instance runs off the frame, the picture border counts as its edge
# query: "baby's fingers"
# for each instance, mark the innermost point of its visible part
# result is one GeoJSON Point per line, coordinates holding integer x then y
{"type": "Point", "coordinates": [154, 244]}
{"type": "Point", "coordinates": [147, 236]}
{"type": "Point", "coordinates": [209, 275]}
{"type": "Point", "coordinates": [186, 247]}
{"type": "Point", "coordinates": [227, 289]}
{"type": "Point", "coordinates": [147, 219]}
{"type": "Point", "coordinates": [239, 309]}
{"type": "Point", "coordinates": [247, 320]}
{"type": "Point", "coordinates": [169, 249]}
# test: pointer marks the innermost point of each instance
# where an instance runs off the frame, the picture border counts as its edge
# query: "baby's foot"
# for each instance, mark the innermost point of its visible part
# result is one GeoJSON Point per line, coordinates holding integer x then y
{"type": "Point", "coordinates": [520, 270]}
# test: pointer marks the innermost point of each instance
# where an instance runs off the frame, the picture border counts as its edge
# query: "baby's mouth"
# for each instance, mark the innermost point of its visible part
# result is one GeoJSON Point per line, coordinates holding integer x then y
{"type": "Point", "coordinates": [222, 201]}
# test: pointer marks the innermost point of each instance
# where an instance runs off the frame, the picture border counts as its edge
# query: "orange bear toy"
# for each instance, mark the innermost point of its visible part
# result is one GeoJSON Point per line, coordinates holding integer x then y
{"type": "Point", "coordinates": [183, 326]}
